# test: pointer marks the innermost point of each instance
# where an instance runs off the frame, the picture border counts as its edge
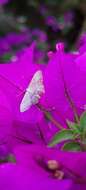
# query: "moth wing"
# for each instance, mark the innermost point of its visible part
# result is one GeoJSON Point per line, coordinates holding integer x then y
{"type": "Point", "coordinates": [36, 84]}
{"type": "Point", "coordinates": [33, 92]}
{"type": "Point", "coordinates": [26, 102]}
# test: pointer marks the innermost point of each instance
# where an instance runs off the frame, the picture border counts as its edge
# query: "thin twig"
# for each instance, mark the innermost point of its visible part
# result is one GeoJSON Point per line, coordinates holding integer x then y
{"type": "Point", "coordinates": [67, 93]}
{"type": "Point", "coordinates": [49, 116]}
{"type": "Point", "coordinates": [41, 134]}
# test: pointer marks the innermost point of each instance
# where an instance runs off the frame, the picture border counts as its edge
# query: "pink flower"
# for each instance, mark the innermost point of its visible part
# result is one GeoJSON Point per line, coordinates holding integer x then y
{"type": "Point", "coordinates": [14, 79]}
{"type": "Point", "coordinates": [27, 155]}
{"type": "Point", "coordinates": [73, 163]}
{"type": "Point", "coordinates": [15, 39]}
{"type": "Point", "coordinates": [16, 178]}
{"type": "Point", "coordinates": [27, 173]}
{"type": "Point", "coordinates": [2, 2]}
{"type": "Point", "coordinates": [30, 170]}
{"type": "Point", "coordinates": [64, 86]}
{"type": "Point", "coordinates": [6, 120]}
{"type": "Point", "coordinates": [64, 90]}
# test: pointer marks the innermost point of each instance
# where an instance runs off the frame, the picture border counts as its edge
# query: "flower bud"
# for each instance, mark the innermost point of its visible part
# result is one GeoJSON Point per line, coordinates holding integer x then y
{"type": "Point", "coordinates": [59, 174]}
{"type": "Point", "coordinates": [53, 164]}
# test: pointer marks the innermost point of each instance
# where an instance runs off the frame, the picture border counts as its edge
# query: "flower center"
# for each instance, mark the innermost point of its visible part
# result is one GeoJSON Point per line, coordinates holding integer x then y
{"type": "Point", "coordinates": [51, 166]}
{"type": "Point", "coordinates": [55, 169]}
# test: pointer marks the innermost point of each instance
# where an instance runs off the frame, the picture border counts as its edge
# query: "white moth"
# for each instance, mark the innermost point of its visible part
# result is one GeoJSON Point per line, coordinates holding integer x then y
{"type": "Point", "coordinates": [33, 92]}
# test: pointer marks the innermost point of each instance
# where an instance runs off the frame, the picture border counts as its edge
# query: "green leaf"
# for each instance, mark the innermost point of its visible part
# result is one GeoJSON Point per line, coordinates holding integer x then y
{"type": "Point", "coordinates": [83, 127]}
{"type": "Point", "coordinates": [7, 56]}
{"type": "Point", "coordinates": [71, 146]}
{"type": "Point", "coordinates": [83, 121]}
{"type": "Point", "coordinates": [48, 116]}
{"type": "Point", "coordinates": [61, 136]}
{"type": "Point", "coordinates": [73, 126]}
{"type": "Point", "coordinates": [11, 158]}
{"type": "Point", "coordinates": [42, 46]}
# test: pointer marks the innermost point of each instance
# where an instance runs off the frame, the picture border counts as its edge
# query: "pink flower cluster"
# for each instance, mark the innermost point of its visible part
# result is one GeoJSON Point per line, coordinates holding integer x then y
{"type": "Point", "coordinates": [64, 79]}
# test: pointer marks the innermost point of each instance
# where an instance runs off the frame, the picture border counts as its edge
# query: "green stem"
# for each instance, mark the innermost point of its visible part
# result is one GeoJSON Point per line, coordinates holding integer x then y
{"type": "Point", "coordinates": [67, 94]}
{"type": "Point", "coordinates": [41, 134]}
{"type": "Point", "coordinates": [49, 116]}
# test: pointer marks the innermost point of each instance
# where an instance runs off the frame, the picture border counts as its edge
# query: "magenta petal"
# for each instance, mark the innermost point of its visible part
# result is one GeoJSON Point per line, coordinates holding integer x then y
{"type": "Point", "coordinates": [25, 155]}
{"type": "Point", "coordinates": [78, 89]}
{"type": "Point", "coordinates": [15, 177]}
{"type": "Point", "coordinates": [76, 162]}
{"type": "Point", "coordinates": [14, 79]}
{"type": "Point", "coordinates": [5, 118]}
{"type": "Point", "coordinates": [54, 86]}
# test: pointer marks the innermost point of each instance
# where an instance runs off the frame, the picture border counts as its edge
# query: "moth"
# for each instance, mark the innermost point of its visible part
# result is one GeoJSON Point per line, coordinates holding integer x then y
{"type": "Point", "coordinates": [33, 92]}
